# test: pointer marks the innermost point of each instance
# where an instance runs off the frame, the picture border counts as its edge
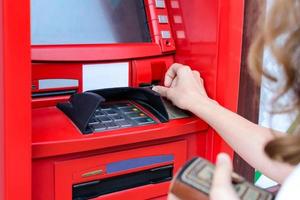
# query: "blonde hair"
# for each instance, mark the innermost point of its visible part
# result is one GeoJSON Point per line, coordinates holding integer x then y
{"type": "Point", "coordinates": [279, 31]}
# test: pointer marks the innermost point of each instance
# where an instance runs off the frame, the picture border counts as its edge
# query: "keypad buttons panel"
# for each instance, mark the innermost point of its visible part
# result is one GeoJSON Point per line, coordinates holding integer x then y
{"type": "Point", "coordinates": [118, 115]}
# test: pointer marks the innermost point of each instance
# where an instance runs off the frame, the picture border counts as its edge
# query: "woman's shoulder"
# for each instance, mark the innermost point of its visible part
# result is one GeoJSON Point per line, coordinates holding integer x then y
{"type": "Point", "coordinates": [290, 188]}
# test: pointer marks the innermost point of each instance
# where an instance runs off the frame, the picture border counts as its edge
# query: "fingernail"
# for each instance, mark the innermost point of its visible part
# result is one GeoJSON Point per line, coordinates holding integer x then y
{"type": "Point", "coordinates": [154, 88]}
{"type": "Point", "coordinates": [222, 158]}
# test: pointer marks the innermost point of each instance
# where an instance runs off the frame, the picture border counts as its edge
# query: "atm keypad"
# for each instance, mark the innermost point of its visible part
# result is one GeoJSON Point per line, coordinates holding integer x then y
{"type": "Point", "coordinates": [144, 120]}
{"type": "Point", "coordinates": [118, 118]}
{"type": "Point", "coordinates": [111, 112]}
{"type": "Point", "coordinates": [94, 121]}
{"type": "Point", "coordinates": [111, 125]}
{"type": "Point", "coordinates": [124, 123]}
{"type": "Point", "coordinates": [99, 127]}
{"type": "Point", "coordinates": [103, 119]}
{"type": "Point", "coordinates": [99, 113]}
{"type": "Point", "coordinates": [134, 115]}
{"type": "Point", "coordinates": [119, 115]}
{"type": "Point", "coordinates": [127, 110]}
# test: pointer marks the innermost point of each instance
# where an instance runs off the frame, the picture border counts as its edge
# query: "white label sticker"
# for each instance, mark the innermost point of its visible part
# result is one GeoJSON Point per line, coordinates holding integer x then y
{"type": "Point", "coordinates": [100, 76]}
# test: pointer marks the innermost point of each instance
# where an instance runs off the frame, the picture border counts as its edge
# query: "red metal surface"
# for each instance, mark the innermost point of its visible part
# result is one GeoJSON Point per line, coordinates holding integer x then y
{"type": "Point", "coordinates": [43, 169]}
{"type": "Point", "coordinates": [55, 134]}
{"type": "Point", "coordinates": [94, 52]}
{"type": "Point", "coordinates": [208, 38]}
{"type": "Point", "coordinates": [229, 61]}
{"type": "Point", "coordinates": [57, 71]}
{"type": "Point", "coordinates": [15, 109]}
{"type": "Point", "coordinates": [98, 52]}
{"type": "Point", "coordinates": [60, 70]}
{"type": "Point", "coordinates": [54, 71]}
{"type": "Point", "coordinates": [66, 171]}
{"type": "Point", "coordinates": [48, 101]}
{"type": "Point", "coordinates": [167, 45]}
{"type": "Point", "coordinates": [149, 70]}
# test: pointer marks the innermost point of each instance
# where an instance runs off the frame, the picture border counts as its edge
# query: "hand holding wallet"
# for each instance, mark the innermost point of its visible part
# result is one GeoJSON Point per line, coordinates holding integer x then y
{"type": "Point", "coordinates": [193, 182]}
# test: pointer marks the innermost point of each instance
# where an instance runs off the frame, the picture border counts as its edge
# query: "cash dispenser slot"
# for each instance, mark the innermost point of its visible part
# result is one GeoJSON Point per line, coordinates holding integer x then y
{"type": "Point", "coordinates": [83, 108]}
{"type": "Point", "coordinates": [97, 188]}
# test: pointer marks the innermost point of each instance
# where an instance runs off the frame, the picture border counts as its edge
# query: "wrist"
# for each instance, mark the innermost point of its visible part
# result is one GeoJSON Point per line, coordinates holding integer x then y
{"type": "Point", "coordinates": [201, 106]}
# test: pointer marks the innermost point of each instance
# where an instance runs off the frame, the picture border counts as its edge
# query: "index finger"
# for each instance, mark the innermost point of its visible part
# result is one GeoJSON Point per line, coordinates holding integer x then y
{"type": "Point", "coordinates": [172, 73]}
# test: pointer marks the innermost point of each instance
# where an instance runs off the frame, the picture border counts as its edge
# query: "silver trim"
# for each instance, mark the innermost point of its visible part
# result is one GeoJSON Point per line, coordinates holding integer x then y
{"type": "Point", "coordinates": [160, 4]}
{"type": "Point", "coordinates": [57, 83]}
{"type": "Point", "coordinates": [163, 19]}
{"type": "Point", "coordinates": [165, 34]}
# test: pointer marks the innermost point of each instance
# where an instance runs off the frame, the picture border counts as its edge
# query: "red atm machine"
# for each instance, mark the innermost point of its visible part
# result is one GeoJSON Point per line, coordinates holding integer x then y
{"type": "Point", "coordinates": [97, 130]}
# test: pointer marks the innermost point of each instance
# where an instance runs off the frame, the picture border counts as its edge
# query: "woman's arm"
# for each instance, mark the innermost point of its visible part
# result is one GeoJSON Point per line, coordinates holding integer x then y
{"type": "Point", "coordinates": [246, 138]}
{"type": "Point", "coordinates": [185, 89]}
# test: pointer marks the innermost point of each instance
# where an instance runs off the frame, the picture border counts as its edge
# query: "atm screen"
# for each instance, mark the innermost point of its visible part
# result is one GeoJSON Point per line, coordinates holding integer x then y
{"type": "Point", "coordinates": [64, 22]}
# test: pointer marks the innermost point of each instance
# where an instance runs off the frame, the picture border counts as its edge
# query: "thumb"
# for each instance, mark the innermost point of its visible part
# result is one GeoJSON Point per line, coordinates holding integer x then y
{"type": "Point", "coordinates": [161, 90]}
{"type": "Point", "coordinates": [221, 185]}
{"type": "Point", "coordinates": [222, 174]}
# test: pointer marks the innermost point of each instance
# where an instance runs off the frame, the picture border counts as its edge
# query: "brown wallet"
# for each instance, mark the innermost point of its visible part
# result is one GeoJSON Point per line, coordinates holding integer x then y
{"type": "Point", "coordinates": [194, 180]}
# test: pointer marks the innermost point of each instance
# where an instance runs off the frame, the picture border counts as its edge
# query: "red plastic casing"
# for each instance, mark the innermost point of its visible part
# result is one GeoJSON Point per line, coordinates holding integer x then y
{"type": "Point", "coordinates": [15, 109]}
{"type": "Point", "coordinates": [206, 35]}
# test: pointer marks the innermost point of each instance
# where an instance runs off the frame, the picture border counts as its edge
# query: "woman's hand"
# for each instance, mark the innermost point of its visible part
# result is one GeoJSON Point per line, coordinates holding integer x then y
{"type": "Point", "coordinates": [183, 87]}
{"type": "Point", "coordinates": [222, 186]}
{"type": "Point", "coordinates": [172, 197]}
